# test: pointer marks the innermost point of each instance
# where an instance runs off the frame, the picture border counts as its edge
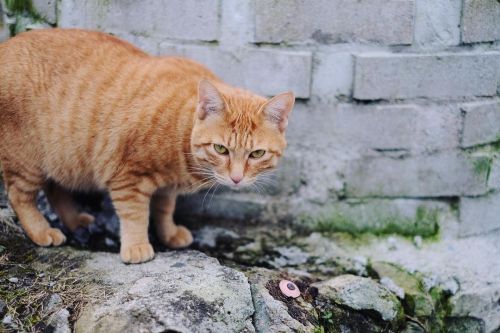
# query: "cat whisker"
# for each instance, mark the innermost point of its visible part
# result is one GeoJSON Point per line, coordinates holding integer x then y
{"type": "Point", "coordinates": [215, 190]}
{"type": "Point", "coordinates": [206, 193]}
{"type": "Point", "coordinates": [198, 185]}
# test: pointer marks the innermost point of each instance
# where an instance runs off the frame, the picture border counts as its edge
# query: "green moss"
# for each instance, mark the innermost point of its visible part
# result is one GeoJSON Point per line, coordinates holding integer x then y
{"type": "Point", "coordinates": [23, 7]}
{"type": "Point", "coordinates": [24, 13]}
{"type": "Point", "coordinates": [482, 166]}
{"type": "Point", "coordinates": [430, 307]}
{"type": "Point", "coordinates": [425, 223]}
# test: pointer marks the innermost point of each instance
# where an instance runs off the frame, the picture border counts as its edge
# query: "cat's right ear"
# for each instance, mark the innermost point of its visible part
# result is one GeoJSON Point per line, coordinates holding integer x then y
{"type": "Point", "coordinates": [210, 100]}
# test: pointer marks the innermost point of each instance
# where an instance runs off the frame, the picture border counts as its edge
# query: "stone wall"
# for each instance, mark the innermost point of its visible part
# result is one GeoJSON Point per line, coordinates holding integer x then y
{"type": "Point", "coordinates": [398, 113]}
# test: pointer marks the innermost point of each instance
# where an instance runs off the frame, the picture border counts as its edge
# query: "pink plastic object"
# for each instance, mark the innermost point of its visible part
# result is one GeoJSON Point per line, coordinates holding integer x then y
{"type": "Point", "coordinates": [290, 289]}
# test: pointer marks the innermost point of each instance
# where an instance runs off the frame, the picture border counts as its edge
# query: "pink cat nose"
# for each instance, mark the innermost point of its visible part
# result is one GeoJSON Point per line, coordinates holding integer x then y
{"type": "Point", "coordinates": [236, 179]}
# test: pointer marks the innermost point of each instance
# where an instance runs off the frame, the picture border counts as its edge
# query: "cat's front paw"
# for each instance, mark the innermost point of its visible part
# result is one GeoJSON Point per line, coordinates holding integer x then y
{"type": "Point", "coordinates": [181, 238]}
{"type": "Point", "coordinates": [135, 254]}
{"type": "Point", "coordinates": [48, 237]}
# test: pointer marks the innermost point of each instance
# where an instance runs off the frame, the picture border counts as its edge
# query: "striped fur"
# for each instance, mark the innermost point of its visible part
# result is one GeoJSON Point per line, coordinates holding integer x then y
{"type": "Point", "coordinates": [83, 110]}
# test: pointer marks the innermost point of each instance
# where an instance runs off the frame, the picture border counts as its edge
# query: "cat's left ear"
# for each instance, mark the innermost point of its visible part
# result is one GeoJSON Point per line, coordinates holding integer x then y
{"type": "Point", "coordinates": [210, 100]}
{"type": "Point", "coordinates": [278, 108]}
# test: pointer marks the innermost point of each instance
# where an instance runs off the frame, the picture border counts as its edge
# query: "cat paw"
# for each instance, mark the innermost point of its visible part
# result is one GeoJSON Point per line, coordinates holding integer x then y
{"type": "Point", "coordinates": [48, 237]}
{"type": "Point", "coordinates": [85, 219]}
{"type": "Point", "coordinates": [135, 254]}
{"type": "Point", "coordinates": [182, 238]}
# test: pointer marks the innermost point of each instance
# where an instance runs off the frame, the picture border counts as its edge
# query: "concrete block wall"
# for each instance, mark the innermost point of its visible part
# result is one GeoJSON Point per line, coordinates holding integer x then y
{"type": "Point", "coordinates": [398, 113]}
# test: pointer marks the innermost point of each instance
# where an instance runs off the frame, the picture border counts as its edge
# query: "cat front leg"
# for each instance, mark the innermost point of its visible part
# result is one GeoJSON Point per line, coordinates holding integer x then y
{"type": "Point", "coordinates": [162, 208]}
{"type": "Point", "coordinates": [131, 203]}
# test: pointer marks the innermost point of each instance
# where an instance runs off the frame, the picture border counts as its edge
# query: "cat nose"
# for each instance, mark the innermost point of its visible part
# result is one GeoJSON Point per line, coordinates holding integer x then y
{"type": "Point", "coordinates": [236, 179]}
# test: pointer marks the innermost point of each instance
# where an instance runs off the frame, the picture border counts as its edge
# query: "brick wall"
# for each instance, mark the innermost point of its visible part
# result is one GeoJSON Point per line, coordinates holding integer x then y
{"type": "Point", "coordinates": [398, 109]}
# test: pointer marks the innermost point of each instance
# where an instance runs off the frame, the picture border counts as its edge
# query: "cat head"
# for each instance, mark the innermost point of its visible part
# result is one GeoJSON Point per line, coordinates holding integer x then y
{"type": "Point", "coordinates": [238, 136]}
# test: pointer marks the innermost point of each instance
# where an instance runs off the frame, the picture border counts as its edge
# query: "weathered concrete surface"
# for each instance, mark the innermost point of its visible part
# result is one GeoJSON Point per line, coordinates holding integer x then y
{"type": "Point", "coordinates": [332, 75]}
{"type": "Point", "coordinates": [333, 21]}
{"type": "Point", "coordinates": [437, 23]}
{"type": "Point", "coordinates": [481, 123]}
{"type": "Point", "coordinates": [480, 21]}
{"type": "Point", "coordinates": [179, 291]}
{"type": "Point", "coordinates": [398, 76]}
{"type": "Point", "coordinates": [178, 19]}
{"type": "Point", "coordinates": [494, 180]}
{"type": "Point", "coordinates": [4, 28]}
{"type": "Point", "coordinates": [361, 293]}
{"type": "Point", "coordinates": [403, 127]}
{"type": "Point", "coordinates": [265, 71]}
{"type": "Point", "coordinates": [443, 174]}
{"type": "Point", "coordinates": [46, 9]}
{"type": "Point", "coordinates": [479, 215]}
{"type": "Point", "coordinates": [380, 216]}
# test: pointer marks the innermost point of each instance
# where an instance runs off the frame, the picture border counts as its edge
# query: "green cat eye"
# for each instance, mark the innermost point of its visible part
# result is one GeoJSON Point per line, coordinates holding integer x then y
{"type": "Point", "coordinates": [257, 153]}
{"type": "Point", "coordinates": [221, 149]}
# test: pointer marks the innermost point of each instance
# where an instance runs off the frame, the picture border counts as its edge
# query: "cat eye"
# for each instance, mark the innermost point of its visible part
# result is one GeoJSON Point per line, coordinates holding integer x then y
{"type": "Point", "coordinates": [257, 153]}
{"type": "Point", "coordinates": [221, 149]}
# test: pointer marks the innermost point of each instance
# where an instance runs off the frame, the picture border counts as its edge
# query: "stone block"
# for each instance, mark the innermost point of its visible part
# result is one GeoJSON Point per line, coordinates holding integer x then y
{"type": "Point", "coordinates": [327, 21]}
{"type": "Point", "coordinates": [479, 215]}
{"type": "Point", "coordinates": [480, 21]}
{"type": "Point", "coordinates": [448, 173]}
{"type": "Point", "coordinates": [481, 123]}
{"type": "Point", "coordinates": [265, 71]}
{"type": "Point", "coordinates": [332, 75]}
{"type": "Point", "coordinates": [174, 19]}
{"type": "Point", "coordinates": [399, 128]}
{"type": "Point", "coordinates": [399, 76]}
{"type": "Point", "coordinates": [378, 216]}
{"type": "Point", "coordinates": [437, 23]}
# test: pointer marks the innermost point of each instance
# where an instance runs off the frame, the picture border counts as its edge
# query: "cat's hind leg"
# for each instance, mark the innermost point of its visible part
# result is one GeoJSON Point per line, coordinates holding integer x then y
{"type": "Point", "coordinates": [61, 200]}
{"type": "Point", "coordinates": [23, 185]}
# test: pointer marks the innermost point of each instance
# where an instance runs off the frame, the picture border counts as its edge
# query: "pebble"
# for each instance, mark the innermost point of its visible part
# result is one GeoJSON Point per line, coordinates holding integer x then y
{"type": "Point", "coordinates": [14, 280]}
{"type": "Point", "coordinates": [7, 320]}
{"type": "Point", "coordinates": [392, 243]}
{"type": "Point", "coordinates": [417, 240]}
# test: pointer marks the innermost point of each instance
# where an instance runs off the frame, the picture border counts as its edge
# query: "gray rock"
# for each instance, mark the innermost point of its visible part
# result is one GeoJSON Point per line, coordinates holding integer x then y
{"type": "Point", "coordinates": [7, 320]}
{"type": "Point", "coordinates": [392, 286]}
{"type": "Point", "coordinates": [271, 315]}
{"type": "Point", "coordinates": [208, 236]}
{"type": "Point", "coordinates": [360, 293]}
{"type": "Point", "coordinates": [53, 302]}
{"type": "Point", "coordinates": [289, 256]}
{"type": "Point", "coordinates": [417, 240]}
{"type": "Point", "coordinates": [3, 308]}
{"type": "Point", "coordinates": [58, 317]}
{"type": "Point", "coordinates": [59, 321]}
{"type": "Point", "coordinates": [181, 291]}
{"type": "Point", "coordinates": [465, 324]}
{"type": "Point", "coordinates": [413, 328]}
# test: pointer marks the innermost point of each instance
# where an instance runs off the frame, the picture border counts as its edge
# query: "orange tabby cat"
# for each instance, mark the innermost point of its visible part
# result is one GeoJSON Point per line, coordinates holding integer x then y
{"type": "Point", "coordinates": [83, 110]}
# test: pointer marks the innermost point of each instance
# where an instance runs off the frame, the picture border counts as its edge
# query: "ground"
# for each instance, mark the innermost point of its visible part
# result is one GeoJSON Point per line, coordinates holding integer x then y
{"type": "Point", "coordinates": [228, 282]}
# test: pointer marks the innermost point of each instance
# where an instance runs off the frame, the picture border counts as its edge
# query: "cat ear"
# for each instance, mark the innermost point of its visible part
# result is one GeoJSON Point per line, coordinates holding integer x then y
{"type": "Point", "coordinates": [278, 108]}
{"type": "Point", "coordinates": [209, 99]}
